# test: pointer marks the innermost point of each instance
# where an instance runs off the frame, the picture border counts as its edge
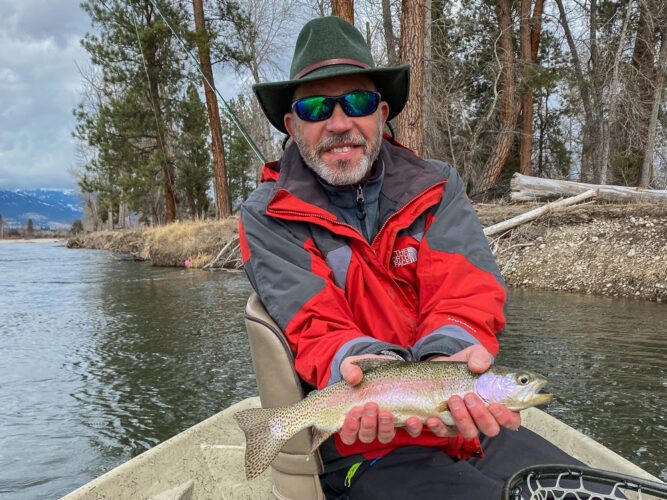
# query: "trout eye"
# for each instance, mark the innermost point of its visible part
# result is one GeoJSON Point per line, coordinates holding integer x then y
{"type": "Point", "coordinates": [523, 379]}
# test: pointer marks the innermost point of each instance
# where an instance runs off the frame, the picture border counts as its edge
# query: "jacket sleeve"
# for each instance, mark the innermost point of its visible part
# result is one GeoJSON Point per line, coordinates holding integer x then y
{"type": "Point", "coordinates": [462, 294]}
{"type": "Point", "coordinates": [299, 292]}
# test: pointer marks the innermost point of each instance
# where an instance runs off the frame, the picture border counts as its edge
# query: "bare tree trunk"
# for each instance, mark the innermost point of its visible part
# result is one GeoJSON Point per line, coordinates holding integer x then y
{"type": "Point", "coordinates": [410, 123]}
{"type": "Point", "coordinates": [344, 9]}
{"type": "Point", "coordinates": [110, 217]}
{"type": "Point", "coordinates": [599, 128]}
{"type": "Point", "coordinates": [222, 200]}
{"type": "Point", "coordinates": [647, 164]}
{"type": "Point", "coordinates": [613, 99]}
{"type": "Point", "coordinates": [643, 57]}
{"type": "Point", "coordinates": [508, 107]}
{"type": "Point", "coordinates": [529, 35]}
{"type": "Point", "coordinates": [540, 140]}
{"type": "Point", "coordinates": [587, 153]}
{"type": "Point", "coordinates": [472, 145]}
{"type": "Point", "coordinates": [390, 39]}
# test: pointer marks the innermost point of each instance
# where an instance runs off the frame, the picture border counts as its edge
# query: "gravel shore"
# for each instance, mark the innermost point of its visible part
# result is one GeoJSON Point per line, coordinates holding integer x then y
{"type": "Point", "coordinates": [602, 249]}
{"type": "Point", "coordinates": [617, 250]}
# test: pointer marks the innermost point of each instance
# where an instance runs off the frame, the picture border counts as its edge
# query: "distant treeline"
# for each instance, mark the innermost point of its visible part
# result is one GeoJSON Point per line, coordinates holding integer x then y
{"type": "Point", "coordinates": [558, 89]}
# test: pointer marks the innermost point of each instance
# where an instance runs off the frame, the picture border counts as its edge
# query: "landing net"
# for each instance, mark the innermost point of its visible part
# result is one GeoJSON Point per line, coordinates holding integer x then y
{"type": "Point", "coordinates": [556, 482]}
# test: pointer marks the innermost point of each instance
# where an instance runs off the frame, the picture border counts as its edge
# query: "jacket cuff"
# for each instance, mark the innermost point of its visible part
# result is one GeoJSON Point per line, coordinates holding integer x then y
{"type": "Point", "coordinates": [446, 340]}
{"type": "Point", "coordinates": [359, 346]}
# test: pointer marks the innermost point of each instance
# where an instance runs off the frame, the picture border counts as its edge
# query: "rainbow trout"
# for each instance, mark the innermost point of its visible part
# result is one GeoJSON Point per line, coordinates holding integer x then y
{"type": "Point", "coordinates": [405, 388]}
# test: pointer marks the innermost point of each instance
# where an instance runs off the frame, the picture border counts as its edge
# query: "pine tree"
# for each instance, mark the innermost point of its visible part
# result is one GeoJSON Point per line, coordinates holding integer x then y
{"type": "Point", "coordinates": [193, 157]}
{"type": "Point", "coordinates": [240, 172]}
{"type": "Point", "coordinates": [144, 72]}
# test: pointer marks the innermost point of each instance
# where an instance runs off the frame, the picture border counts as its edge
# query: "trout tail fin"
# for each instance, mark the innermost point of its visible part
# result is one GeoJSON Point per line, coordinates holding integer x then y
{"type": "Point", "coordinates": [265, 435]}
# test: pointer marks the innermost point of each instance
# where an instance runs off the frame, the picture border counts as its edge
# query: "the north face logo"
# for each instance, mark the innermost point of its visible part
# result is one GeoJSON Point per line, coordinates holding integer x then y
{"type": "Point", "coordinates": [404, 256]}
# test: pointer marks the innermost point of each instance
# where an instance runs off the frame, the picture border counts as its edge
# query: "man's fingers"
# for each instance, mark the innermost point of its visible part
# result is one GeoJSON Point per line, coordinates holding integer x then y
{"type": "Point", "coordinates": [505, 417]}
{"type": "Point", "coordinates": [476, 356]}
{"type": "Point", "coordinates": [414, 426]}
{"type": "Point", "coordinates": [386, 429]}
{"type": "Point", "coordinates": [369, 423]}
{"type": "Point", "coordinates": [480, 414]}
{"type": "Point", "coordinates": [464, 422]}
{"type": "Point", "coordinates": [438, 427]}
{"type": "Point", "coordinates": [349, 431]}
{"type": "Point", "coordinates": [478, 359]}
{"type": "Point", "coordinates": [350, 372]}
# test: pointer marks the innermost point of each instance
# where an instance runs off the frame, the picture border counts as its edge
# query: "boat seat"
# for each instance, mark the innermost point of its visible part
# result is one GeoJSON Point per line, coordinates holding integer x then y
{"type": "Point", "coordinates": [295, 470]}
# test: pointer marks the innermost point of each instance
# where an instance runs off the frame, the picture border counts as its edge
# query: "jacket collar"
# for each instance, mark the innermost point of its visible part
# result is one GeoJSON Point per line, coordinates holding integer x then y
{"type": "Point", "coordinates": [405, 176]}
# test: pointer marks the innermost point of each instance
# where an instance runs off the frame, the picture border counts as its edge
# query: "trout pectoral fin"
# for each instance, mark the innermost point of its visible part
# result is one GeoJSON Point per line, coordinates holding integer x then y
{"type": "Point", "coordinates": [319, 436]}
{"type": "Point", "coordinates": [447, 418]}
{"type": "Point", "coordinates": [444, 413]}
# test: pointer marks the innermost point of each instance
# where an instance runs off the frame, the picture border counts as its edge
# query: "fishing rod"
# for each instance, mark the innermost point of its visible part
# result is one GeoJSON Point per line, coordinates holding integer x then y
{"type": "Point", "coordinates": [225, 107]}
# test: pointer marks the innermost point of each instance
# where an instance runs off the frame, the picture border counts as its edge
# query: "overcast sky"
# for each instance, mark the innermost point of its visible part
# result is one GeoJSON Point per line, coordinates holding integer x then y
{"type": "Point", "coordinates": [40, 85]}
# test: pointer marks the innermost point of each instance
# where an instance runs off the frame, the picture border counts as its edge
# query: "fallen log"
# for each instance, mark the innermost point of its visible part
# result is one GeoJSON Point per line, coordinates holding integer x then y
{"type": "Point", "coordinates": [534, 214]}
{"type": "Point", "coordinates": [227, 253]}
{"type": "Point", "coordinates": [527, 188]}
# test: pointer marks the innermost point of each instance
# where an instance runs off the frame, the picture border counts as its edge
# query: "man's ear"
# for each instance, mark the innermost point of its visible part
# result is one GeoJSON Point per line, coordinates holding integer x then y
{"type": "Point", "coordinates": [288, 120]}
{"type": "Point", "coordinates": [384, 111]}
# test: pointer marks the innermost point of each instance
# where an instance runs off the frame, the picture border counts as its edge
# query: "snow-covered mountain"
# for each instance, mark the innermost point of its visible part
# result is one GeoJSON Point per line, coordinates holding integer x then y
{"type": "Point", "coordinates": [52, 208]}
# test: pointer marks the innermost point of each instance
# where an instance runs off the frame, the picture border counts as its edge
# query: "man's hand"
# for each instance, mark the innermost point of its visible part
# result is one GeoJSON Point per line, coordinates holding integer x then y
{"type": "Point", "coordinates": [470, 413]}
{"type": "Point", "coordinates": [367, 423]}
{"type": "Point", "coordinates": [364, 423]}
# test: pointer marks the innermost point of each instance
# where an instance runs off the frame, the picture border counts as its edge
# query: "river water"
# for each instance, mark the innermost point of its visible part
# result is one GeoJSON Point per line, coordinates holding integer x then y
{"type": "Point", "coordinates": [102, 358]}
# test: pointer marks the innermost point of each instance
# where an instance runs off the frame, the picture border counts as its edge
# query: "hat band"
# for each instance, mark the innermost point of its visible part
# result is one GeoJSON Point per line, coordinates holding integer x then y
{"type": "Point", "coordinates": [329, 62]}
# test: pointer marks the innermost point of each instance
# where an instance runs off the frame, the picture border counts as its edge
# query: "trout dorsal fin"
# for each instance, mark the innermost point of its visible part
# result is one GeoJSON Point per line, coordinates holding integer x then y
{"type": "Point", "coordinates": [369, 364]}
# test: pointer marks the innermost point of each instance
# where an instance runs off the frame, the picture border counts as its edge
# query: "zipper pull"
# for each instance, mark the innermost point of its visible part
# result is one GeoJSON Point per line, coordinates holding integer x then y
{"type": "Point", "coordinates": [361, 207]}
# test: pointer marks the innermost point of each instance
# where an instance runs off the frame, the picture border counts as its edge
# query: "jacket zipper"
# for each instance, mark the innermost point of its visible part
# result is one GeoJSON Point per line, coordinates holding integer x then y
{"type": "Point", "coordinates": [335, 221]}
{"type": "Point", "coordinates": [361, 211]}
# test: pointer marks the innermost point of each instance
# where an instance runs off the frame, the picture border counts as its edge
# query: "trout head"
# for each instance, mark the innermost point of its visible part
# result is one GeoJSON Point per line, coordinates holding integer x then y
{"type": "Point", "coordinates": [516, 390]}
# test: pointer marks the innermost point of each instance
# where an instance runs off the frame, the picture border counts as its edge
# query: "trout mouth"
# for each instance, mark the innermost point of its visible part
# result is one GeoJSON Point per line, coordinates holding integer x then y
{"type": "Point", "coordinates": [531, 396]}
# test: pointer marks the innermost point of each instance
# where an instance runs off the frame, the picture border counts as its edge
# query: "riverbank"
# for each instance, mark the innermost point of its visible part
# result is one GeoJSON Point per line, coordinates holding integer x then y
{"type": "Point", "coordinates": [182, 244]}
{"type": "Point", "coordinates": [616, 250]}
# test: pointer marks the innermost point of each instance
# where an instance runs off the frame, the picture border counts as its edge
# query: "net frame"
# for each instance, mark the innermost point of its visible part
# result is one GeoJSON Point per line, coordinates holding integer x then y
{"type": "Point", "coordinates": [530, 477]}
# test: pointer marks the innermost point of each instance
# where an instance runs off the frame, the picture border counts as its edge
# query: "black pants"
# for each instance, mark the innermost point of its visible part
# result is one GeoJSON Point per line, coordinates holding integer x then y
{"type": "Point", "coordinates": [428, 473]}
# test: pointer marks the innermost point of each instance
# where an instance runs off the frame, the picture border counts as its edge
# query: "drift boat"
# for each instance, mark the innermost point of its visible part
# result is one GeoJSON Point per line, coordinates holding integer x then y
{"type": "Point", "coordinates": [207, 460]}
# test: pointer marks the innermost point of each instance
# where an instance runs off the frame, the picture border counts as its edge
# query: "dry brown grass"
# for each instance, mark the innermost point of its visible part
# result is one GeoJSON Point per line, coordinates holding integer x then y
{"type": "Point", "coordinates": [170, 245]}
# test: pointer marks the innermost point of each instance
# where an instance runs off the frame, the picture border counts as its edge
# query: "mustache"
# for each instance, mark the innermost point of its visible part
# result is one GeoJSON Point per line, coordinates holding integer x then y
{"type": "Point", "coordinates": [357, 140]}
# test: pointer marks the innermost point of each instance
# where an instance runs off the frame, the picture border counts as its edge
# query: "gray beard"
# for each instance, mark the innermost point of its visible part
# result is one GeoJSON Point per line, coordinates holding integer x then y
{"type": "Point", "coordinates": [344, 174]}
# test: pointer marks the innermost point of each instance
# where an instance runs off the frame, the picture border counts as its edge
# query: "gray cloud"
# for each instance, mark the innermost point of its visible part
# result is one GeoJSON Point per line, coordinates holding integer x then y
{"type": "Point", "coordinates": [39, 87]}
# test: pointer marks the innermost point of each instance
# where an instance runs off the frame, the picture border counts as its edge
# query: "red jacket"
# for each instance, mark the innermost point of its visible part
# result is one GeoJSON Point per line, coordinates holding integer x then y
{"type": "Point", "coordinates": [427, 284]}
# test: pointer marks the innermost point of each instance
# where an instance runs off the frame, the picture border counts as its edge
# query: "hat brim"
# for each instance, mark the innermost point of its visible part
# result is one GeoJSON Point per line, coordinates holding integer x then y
{"type": "Point", "coordinates": [392, 83]}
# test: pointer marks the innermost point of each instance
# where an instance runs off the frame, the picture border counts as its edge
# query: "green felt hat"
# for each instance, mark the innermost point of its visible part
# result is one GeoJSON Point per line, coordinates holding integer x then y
{"type": "Point", "coordinates": [328, 47]}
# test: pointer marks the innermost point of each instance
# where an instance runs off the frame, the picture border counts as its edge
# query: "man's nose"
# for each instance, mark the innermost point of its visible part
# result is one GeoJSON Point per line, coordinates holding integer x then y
{"type": "Point", "coordinates": [339, 121]}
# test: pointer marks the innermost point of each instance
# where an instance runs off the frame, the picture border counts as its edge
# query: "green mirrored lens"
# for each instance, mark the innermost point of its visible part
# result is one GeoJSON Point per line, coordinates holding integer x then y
{"type": "Point", "coordinates": [360, 103]}
{"type": "Point", "coordinates": [314, 108]}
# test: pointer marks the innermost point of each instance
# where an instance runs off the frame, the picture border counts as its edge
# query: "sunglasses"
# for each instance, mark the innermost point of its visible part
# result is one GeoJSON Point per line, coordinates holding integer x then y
{"type": "Point", "coordinates": [318, 108]}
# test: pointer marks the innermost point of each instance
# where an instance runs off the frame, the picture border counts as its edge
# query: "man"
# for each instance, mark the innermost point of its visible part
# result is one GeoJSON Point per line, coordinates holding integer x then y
{"type": "Point", "coordinates": [358, 248]}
